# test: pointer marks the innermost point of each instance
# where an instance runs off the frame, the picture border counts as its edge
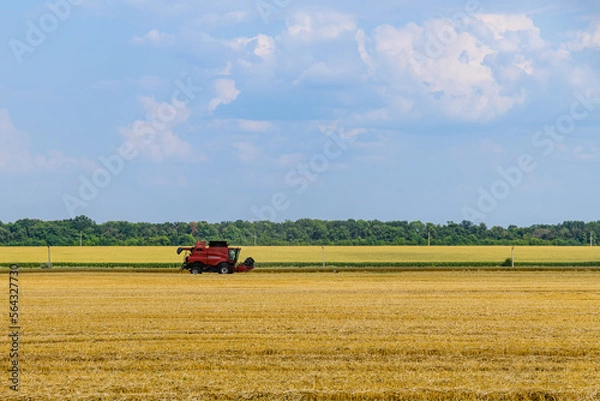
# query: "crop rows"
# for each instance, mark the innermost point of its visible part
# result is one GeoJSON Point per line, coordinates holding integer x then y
{"type": "Point", "coordinates": [302, 256]}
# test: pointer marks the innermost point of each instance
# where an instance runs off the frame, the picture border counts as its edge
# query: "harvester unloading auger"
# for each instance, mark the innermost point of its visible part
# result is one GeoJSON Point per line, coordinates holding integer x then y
{"type": "Point", "coordinates": [217, 257]}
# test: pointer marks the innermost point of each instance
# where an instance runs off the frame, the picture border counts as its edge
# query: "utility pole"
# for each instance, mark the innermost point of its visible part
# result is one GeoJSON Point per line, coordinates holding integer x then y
{"type": "Point", "coordinates": [49, 260]}
{"type": "Point", "coordinates": [323, 255]}
{"type": "Point", "coordinates": [254, 238]}
{"type": "Point", "coordinates": [512, 256]}
{"type": "Point", "coordinates": [591, 236]}
{"type": "Point", "coordinates": [428, 238]}
{"type": "Point", "coordinates": [80, 238]}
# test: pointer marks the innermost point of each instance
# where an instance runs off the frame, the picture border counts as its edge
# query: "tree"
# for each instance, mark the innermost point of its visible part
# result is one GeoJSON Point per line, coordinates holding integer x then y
{"type": "Point", "coordinates": [301, 232]}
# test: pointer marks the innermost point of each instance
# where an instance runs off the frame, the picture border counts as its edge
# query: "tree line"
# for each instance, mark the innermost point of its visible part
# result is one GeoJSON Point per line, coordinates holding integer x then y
{"type": "Point", "coordinates": [83, 230]}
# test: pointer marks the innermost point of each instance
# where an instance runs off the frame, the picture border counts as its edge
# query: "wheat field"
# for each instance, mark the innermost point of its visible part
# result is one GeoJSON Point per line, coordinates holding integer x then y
{"type": "Point", "coordinates": [313, 254]}
{"type": "Point", "coordinates": [298, 336]}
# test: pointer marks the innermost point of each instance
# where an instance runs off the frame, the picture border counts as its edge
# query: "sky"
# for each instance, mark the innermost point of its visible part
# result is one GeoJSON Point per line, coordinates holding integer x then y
{"type": "Point", "coordinates": [194, 110]}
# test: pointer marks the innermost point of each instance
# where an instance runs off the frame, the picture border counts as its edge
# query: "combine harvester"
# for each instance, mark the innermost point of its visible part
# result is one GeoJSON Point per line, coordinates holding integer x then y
{"type": "Point", "coordinates": [217, 257]}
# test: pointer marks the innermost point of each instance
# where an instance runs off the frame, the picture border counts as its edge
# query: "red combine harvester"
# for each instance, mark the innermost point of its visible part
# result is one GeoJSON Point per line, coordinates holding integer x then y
{"type": "Point", "coordinates": [217, 257]}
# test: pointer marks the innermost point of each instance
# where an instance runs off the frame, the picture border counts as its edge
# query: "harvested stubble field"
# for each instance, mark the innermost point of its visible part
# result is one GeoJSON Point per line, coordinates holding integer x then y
{"type": "Point", "coordinates": [349, 336]}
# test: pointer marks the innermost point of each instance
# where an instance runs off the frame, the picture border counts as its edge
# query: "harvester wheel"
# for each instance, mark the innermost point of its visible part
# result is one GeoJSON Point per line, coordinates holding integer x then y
{"type": "Point", "coordinates": [225, 268]}
{"type": "Point", "coordinates": [196, 269]}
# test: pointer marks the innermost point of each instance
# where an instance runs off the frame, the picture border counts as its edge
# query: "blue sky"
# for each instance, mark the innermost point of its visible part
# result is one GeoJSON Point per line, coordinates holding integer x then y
{"type": "Point", "coordinates": [188, 110]}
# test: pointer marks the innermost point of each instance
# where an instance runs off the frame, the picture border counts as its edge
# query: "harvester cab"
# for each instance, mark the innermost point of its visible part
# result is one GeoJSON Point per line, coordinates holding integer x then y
{"type": "Point", "coordinates": [217, 257]}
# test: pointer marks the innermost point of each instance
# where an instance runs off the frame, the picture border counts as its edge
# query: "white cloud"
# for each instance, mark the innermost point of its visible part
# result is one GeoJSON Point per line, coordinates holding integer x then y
{"type": "Point", "coordinates": [317, 73]}
{"type": "Point", "coordinates": [361, 39]}
{"type": "Point", "coordinates": [254, 126]}
{"type": "Point", "coordinates": [214, 52]}
{"type": "Point", "coordinates": [265, 46]}
{"type": "Point", "coordinates": [248, 152]}
{"type": "Point", "coordinates": [319, 26]}
{"type": "Point", "coordinates": [262, 46]}
{"type": "Point", "coordinates": [225, 71]}
{"type": "Point", "coordinates": [54, 160]}
{"type": "Point", "coordinates": [456, 72]}
{"type": "Point", "coordinates": [167, 114]}
{"type": "Point", "coordinates": [154, 136]}
{"type": "Point", "coordinates": [586, 39]}
{"type": "Point", "coordinates": [586, 154]}
{"type": "Point", "coordinates": [329, 73]}
{"type": "Point", "coordinates": [502, 24]}
{"type": "Point", "coordinates": [346, 134]}
{"type": "Point", "coordinates": [14, 145]}
{"type": "Point", "coordinates": [154, 37]}
{"type": "Point", "coordinates": [226, 93]}
{"type": "Point", "coordinates": [351, 133]}
{"type": "Point", "coordinates": [479, 73]}
{"type": "Point", "coordinates": [16, 155]}
{"type": "Point", "coordinates": [237, 125]}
